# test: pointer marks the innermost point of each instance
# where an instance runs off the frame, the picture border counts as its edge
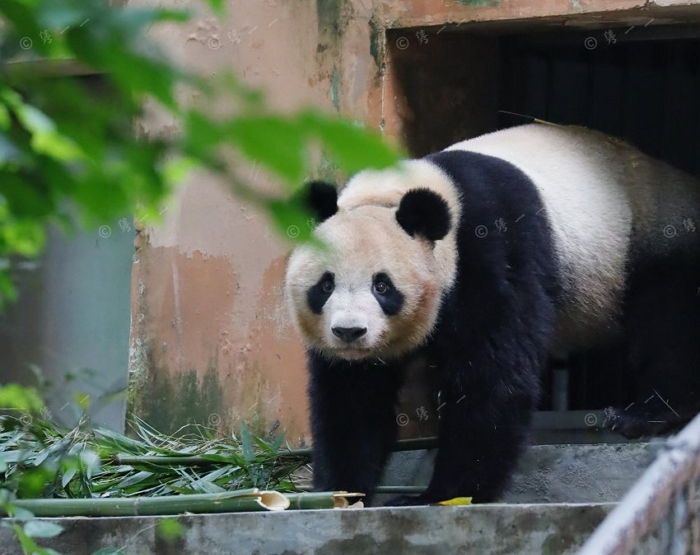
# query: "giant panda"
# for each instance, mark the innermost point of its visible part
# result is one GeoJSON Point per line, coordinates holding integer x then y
{"type": "Point", "coordinates": [596, 244]}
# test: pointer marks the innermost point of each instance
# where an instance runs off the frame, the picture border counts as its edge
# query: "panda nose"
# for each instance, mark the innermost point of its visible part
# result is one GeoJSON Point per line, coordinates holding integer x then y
{"type": "Point", "coordinates": [349, 334]}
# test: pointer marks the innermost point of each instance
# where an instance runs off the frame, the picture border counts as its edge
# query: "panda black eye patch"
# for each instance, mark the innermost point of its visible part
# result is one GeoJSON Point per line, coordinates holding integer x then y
{"type": "Point", "coordinates": [319, 293]}
{"type": "Point", "coordinates": [388, 296]}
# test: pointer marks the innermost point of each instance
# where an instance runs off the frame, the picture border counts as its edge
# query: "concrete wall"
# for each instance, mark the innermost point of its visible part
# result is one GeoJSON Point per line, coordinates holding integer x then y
{"type": "Point", "coordinates": [72, 322]}
{"type": "Point", "coordinates": [210, 340]}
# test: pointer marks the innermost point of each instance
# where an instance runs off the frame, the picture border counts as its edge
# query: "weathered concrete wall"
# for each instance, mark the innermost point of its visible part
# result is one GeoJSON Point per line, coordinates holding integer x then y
{"type": "Point", "coordinates": [72, 322]}
{"type": "Point", "coordinates": [497, 529]}
{"type": "Point", "coordinates": [207, 284]}
{"type": "Point", "coordinates": [545, 473]}
{"type": "Point", "coordinates": [210, 339]}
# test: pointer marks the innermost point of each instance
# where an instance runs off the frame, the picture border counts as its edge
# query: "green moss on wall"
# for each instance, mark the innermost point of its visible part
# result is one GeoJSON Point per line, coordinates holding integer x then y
{"type": "Point", "coordinates": [328, 13]}
{"type": "Point", "coordinates": [171, 402]}
{"type": "Point", "coordinates": [335, 88]}
{"type": "Point", "coordinates": [375, 34]}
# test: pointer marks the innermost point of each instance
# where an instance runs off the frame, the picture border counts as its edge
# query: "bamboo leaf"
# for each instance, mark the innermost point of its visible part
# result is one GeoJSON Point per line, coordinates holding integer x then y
{"type": "Point", "coordinates": [22, 515]}
{"type": "Point", "coordinates": [353, 147]}
{"type": "Point", "coordinates": [14, 396]}
{"type": "Point", "coordinates": [91, 462]}
{"type": "Point", "coordinates": [42, 529]}
{"type": "Point", "coordinates": [68, 476]}
{"type": "Point", "coordinates": [246, 443]}
{"type": "Point", "coordinates": [170, 529]}
{"type": "Point", "coordinates": [275, 142]}
{"type": "Point", "coordinates": [134, 479]}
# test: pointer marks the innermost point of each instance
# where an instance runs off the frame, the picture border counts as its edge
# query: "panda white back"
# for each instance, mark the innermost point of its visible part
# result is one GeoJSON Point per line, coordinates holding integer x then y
{"type": "Point", "coordinates": [604, 201]}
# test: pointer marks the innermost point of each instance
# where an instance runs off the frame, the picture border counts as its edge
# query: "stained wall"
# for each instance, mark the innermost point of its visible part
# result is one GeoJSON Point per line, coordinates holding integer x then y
{"type": "Point", "coordinates": [210, 339]}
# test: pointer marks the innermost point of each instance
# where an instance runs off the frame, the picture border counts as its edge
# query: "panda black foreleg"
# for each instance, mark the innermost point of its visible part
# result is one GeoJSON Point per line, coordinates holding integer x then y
{"type": "Point", "coordinates": [353, 422]}
{"type": "Point", "coordinates": [482, 433]}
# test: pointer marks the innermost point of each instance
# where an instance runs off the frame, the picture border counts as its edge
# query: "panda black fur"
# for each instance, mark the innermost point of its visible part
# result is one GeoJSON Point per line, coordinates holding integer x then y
{"type": "Point", "coordinates": [487, 258]}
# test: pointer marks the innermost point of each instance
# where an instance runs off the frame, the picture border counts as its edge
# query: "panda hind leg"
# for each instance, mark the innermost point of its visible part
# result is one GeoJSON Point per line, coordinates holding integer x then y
{"type": "Point", "coordinates": [662, 328]}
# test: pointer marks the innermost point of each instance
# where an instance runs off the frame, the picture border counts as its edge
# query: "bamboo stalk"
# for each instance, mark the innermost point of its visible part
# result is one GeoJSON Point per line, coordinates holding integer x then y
{"type": "Point", "coordinates": [191, 460]}
{"type": "Point", "coordinates": [322, 499]}
{"type": "Point", "coordinates": [198, 460]}
{"type": "Point", "coordinates": [412, 444]}
{"type": "Point", "coordinates": [381, 489]}
{"type": "Point", "coordinates": [238, 501]}
{"type": "Point", "coordinates": [231, 501]}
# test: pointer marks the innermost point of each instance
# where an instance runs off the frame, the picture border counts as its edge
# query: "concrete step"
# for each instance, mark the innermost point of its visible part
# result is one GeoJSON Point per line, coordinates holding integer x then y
{"type": "Point", "coordinates": [558, 497]}
{"type": "Point", "coordinates": [493, 529]}
{"type": "Point", "coordinates": [547, 473]}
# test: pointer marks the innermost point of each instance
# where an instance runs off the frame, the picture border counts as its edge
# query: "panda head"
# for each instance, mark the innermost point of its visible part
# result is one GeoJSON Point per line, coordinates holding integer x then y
{"type": "Point", "coordinates": [374, 291]}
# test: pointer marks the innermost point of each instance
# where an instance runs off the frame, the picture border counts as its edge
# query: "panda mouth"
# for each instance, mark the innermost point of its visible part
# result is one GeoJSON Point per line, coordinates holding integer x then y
{"type": "Point", "coordinates": [354, 352]}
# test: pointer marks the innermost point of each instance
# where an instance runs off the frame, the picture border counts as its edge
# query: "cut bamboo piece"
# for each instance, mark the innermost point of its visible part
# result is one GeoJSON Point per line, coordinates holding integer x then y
{"type": "Point", "coordinates": [396, 490]}
{"type": "Point", "coordinates": [232, 501]}
{"type": "Point", "coordinates": [203, 460]}
{"type": "Point", "coordinates": [159, 460]}
{"type": "Point", "coordinates": [322, 499]}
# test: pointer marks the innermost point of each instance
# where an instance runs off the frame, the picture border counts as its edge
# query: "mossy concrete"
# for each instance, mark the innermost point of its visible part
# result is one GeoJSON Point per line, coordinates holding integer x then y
{"type": "Point", "coordinates": [548, 473]}
{"type": "Point", "coordinates": [492, 529]}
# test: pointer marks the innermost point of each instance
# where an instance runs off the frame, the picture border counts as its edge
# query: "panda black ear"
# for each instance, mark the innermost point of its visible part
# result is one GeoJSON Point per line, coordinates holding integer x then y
{"type": "Point", "coordinates": [320, 198]}
{"type": "Point", "coordinates": [424, 213]}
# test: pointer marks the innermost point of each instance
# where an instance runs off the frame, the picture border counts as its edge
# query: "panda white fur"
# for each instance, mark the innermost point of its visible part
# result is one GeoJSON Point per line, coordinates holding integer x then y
{"type": "Point", "coordinates": [487, 258]}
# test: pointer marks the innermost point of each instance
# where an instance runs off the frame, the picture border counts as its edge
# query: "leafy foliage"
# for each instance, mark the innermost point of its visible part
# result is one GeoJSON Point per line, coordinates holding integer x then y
{"type": "Point", "coordinates": [70, 156]}
{"type": "Point", "coordinates": [39, 459]}
{"type": "Point", "coordinates": [25, 399]}
{"type": "Point", "coordinates": [68, 151]}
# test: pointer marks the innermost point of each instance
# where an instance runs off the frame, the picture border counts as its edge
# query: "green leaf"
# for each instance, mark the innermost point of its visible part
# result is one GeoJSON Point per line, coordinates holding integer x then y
{"type": "Point", "coordinates": [24, 237]}
{"type": "Point", "coordinates": [4, 118]}
{"type": "Point", "coordinates": [353, 147]}
{"type": "Point", "coordinates": [132, 20]}
{"type": "Point", "coordinates": [23, 515]}
{"type": "Point", "coordinates": [42, 529]}
{"type": "Point", "coordinates": [246, 443]}
{"type": "Point", "coordinates": [274, 142]}
{"type": "Point", "coordinates": [34, 120]}
{"type": "Point", "coordinates": [217, 6]}
{"type": "Point", "coordinates": [170, 529]}
{"type": "Point", "coordinates": [82, 399]}
{"type": "Point", "coordinates": [133, 479]}
{"type": "Point", "coordinates": [91, 462]}
{"type": "Point", "coordinates": [25, 199]}
{"type": "Point", "coordinates": [27, 543]}
{"type": "Point", "coordinates": [15, 396]}
{"type": "Point", "coordinates": [45, 138]}
{"type": "Point", "coordinates": [56, 146]}
{"type": "Point", "coordinates": [291, 219]}
{"type": "Point", "coordinates": [59, 15]}
{"type": "Point", "coordinates": [68, 475]}
{"type": "Point", "coordinates": [33, 482]}
{"type": "Point", "coordinates": [8, 292]}
{"type": "Point", "coordinates": [175, 172]}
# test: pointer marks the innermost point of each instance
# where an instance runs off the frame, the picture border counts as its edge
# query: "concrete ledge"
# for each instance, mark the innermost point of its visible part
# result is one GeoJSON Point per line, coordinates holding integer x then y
{"type": "Point", "coordinates": [546, 528]}
{"type": "Point", "coordinates": [547, 473]}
